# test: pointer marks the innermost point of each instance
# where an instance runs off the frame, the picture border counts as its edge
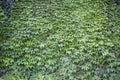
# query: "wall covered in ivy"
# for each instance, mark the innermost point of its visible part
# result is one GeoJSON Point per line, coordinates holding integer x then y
{"type": "Point", "coordinates": [61, 40]}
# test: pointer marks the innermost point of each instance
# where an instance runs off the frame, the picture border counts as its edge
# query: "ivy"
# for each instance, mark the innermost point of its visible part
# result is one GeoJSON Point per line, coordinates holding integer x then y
{"type": "Point", "coordinates": [61, 40]}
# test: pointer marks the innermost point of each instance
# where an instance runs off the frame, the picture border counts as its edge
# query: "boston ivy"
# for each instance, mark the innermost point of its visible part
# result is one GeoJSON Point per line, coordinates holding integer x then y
{"type": "Point", "coordinates": [61, 40]}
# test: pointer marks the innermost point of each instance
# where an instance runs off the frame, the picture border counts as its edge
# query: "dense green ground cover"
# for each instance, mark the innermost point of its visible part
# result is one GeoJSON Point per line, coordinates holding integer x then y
{"type": "Point", "coordinates": [62, 40]}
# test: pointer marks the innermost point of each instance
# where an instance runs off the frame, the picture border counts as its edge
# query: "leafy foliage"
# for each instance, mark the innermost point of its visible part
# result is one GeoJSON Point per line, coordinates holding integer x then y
{"type": "Point", "coordinates": [62, 40]}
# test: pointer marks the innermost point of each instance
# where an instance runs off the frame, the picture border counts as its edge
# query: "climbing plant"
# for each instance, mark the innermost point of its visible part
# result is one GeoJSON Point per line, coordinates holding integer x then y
{"type": "Point", "coordinates": [62, 40]}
